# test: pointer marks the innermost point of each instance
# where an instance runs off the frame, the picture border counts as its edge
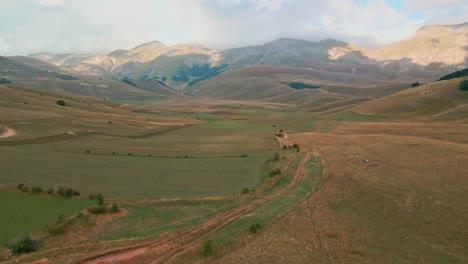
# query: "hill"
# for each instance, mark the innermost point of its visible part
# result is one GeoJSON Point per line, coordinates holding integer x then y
{"type": "Point", "coordinates": [432, 48]}
{"type": "Point", "coordinates": [440, 100]}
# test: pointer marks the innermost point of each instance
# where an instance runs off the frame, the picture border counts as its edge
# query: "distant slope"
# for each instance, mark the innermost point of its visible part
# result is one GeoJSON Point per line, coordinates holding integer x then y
{"type": "Point", "coordinates": [262, 82]}
{"type": "Point", "coordinates": [432, 46]}
{"type": "Point", "coordinates": [441, 100]}
{"type": "Point", "coordinates": [38, 64]}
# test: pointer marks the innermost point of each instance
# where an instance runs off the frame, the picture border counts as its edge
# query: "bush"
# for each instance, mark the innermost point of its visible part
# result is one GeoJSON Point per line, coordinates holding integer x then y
{"type": "Point", "coordinates": [5, 81]}
{"type": "Point", "coordinates": [207, 248]}
{"type": "Point", "coordinates": [23, 244]}
{"type": "Point", "coordinates": [37, 190]}
{"type": "Point", "coordinates": [416, 84]}
{"type": "Point", "coordinates": [67, 192]}
{"type": "Point", "coordinates": [114, 208]}
{"type": "Point", "coordinates": [296, 146]}
{"type": "Point", "coordinates": [274, 172]}
{"type": "Point", "coordinates": [23, 187]}
{"type": "Point", "coordinates": [276, 157]}
{"type": "Point", "coordinates": [254, 228]}
{"type": "Point", "coordinates": [244, 155]}
{"type": "Point", "coordinates": [456, 74]}
{"type": "Point", "coordinates": [50, 191]}
{"type": "Point", "coordinates": [97, 209]}
{"type": "Point", "coordinates": [61, 103]}
{"type": "Point", "coordinates": [98, 197]}
{"type": "Point", "coordinates": [464, 85]}
{"type": "Point", "coordinates": [245, 191]}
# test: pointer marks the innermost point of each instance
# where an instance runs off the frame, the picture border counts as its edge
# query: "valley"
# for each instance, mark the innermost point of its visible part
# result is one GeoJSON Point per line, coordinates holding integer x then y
{"type": "Point", "coordinates": [287, 152]}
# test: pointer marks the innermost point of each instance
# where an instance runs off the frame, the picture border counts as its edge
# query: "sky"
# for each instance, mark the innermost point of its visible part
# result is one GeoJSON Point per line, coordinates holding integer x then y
{"type": "Point", "coordinates": [99, 26]}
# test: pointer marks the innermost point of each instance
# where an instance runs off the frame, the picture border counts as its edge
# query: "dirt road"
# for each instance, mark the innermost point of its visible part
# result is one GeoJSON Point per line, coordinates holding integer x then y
{"type": "Point", "coordinates": [172, 244]}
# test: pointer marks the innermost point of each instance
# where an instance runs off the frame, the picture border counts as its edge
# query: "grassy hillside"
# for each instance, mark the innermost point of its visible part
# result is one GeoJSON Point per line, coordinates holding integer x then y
{"type": "Point", "coordinates": [433, 99]}
{"type": "Point", "coordinates": [261, 82]}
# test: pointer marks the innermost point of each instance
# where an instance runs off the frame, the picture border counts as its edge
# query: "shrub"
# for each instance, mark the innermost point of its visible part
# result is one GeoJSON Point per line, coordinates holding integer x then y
{"type": "Point", "coordinates": [276, 157]}
{"type": "Point", "coordinates": [55, 229]}
{"type": "Point", "coordinates": [274, 172]}
{"type": "Point", "coordinates": [244, 155]}
{"type": "Point", "coordinates": [88, 151]}
{"type": "Point", "coordinates": [50, 191]}
{"type": "Point", "coordinates": [245, 191]}
{"type": "Point", "coordinates": [464, 85]}
{"type": "Point", "coordinates": [254, 228]}
{"type": "Point", "coordinates": [97, 209]}
{"type": "Point", "coordinates": [5, 81]}
{"type": "Point", "coordinates": [61, 103]}
{"type": "Point", "coordinates": [279, 135]}
{"type": "Point", "coordinates": [207, 248]}
{"type": "Point", "coordinates": [23, 187]}
{"type": "Point", "coordinates": [456, 74]}
{"type": "Point", "coordinates": [67, 192]}
{"type": "Point", "coordinates": [114, 208]}
{"type": "Point", "coordinates": [23, 244]}
{"type": "Point", "coordinates": [37, 190]}
{"type": "Point", "coordinates": [98, 197]}
{"type": "Point", "coordinates": [415, 84]}
{"type": "Point", "coordinates": [296, 146]}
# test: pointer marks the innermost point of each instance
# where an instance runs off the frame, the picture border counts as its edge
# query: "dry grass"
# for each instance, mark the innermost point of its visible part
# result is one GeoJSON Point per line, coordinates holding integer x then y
{"type": "Point", "coordinates": [394, 199]}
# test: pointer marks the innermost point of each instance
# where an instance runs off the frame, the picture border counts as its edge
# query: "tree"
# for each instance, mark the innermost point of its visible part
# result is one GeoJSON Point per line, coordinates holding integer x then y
{"type": "Point", "coordinates": [37, 190]}
{"type": "Point", "coordinates": [464, 85]}
{"type": "Point", "coordinates": [416, 84]}
{"type": "Point", "coordinates": [61, 103]}
{"type": "Point", "coordinates": [23, 244]}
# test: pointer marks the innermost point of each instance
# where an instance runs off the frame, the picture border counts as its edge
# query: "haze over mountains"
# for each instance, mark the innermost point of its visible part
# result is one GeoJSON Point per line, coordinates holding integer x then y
{"type": "Point", "coordinates": [430, 53]}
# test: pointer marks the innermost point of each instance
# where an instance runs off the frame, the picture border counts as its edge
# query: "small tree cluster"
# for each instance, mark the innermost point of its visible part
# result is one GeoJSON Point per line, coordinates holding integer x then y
{"type": "Point", "coordinates": [22, 245]}
{"type": "Point", "coordinates": [61, 103]}
{"type": "Point", "coordinates": [415, 84]}
{"type": "Point", "coordinates": [297, 147]}
{"type": "Point", "coordinates": [254, 228]}
{"type": "Point", "coordinates": [100, 207]}
{"type": "Point", "coordinates": [274, 172]}
{"type": "Point", "coordinates": [464, 85]}
{"type": "Point", "coordinates": [66, 192]}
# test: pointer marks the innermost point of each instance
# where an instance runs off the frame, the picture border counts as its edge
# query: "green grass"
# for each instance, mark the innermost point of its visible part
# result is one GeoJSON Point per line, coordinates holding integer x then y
{"type": "Point", "coordinates": [154, 219]}
{"type": "Point", "coordinates": [267, 212]}
{"type": "Point", "coordinates": [130, 176]}
{"type": "Point", "coordinates": [232, 125]}
{"type": "Point", "coordinates": [349, 116]}
{"type": "Point", "coordinates": [26, 214]}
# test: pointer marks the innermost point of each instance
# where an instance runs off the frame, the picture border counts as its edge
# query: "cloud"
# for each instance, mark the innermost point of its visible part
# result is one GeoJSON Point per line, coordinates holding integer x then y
{"type": "Point", "coordinates": [50, 3]}
{"type": "Point", "coordinates": [64, 26]}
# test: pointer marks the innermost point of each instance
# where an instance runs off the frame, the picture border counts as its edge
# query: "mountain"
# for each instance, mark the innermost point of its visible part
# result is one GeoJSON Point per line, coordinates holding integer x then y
{"type": "Point", "coordinates": [432, 52]}
{"type": "Point", "coordinates": [432, 47]}
{"type": "Point", "coordinates": [293, 53]}
{"type": "Point", "coordinates": [152, 60]}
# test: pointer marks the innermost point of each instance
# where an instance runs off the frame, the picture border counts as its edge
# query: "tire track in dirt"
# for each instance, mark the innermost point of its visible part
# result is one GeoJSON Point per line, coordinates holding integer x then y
{"type": "Point", "coordinates": [175, 243]}
{"type": "Point", "coordinates": [8, 132]}
{"type": "Point", "coordinates": [313, 202]}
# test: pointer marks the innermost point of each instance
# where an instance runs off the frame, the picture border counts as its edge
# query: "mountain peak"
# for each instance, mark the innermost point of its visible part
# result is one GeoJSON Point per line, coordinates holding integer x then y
{"type": "Point", "coordinates": [151, 44]}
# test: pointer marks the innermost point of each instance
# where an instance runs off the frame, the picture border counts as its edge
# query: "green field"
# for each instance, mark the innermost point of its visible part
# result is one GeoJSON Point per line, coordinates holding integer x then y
{"type": "Point", "coordinates": [24, 214]}
{"type": "Point", "coordinates": [192, 161]}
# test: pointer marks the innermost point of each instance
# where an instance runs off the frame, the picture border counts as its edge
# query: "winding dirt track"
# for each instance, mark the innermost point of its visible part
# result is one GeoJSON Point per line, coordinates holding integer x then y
{"type": "Point", "coordinates": [172, 244]}
{"type": "Point", "coordinates": [9, 132]}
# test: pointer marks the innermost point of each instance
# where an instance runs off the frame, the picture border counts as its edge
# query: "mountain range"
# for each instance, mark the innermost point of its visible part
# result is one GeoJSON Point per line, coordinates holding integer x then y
{"type": "Point", "coordinates": [430, 53]}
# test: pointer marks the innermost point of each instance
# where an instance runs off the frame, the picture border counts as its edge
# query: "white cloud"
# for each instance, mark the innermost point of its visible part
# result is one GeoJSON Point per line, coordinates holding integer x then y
{"type": "Point", "coordinates": [51, 3]}
{"type": "Point", "coordinates": [99, 26]}
{"type": "Point", "coordinates": [268, 5]}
